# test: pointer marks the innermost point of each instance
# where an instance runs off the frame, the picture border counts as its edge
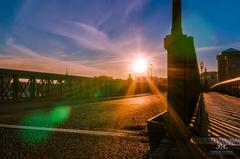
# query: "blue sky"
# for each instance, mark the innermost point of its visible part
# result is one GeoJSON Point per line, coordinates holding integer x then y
{"type": "Point", "coordinates": [96, 37]}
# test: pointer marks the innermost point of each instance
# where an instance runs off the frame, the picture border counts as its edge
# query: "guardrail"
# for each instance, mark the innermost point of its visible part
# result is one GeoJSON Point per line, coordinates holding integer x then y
{"type": "Point", "coordinates": [18, 84]}
{"type": "Point", "coordinates": [230, 87]}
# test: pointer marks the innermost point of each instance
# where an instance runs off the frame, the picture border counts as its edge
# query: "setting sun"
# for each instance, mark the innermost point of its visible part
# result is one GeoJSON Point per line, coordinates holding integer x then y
{"type": "Point", "coordinates": [140, 65]}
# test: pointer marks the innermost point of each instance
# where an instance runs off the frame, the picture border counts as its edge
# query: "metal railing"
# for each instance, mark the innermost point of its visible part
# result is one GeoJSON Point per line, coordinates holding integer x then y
{"type": "Point", "coordinates": [19, 84]}
{"type": "Point", "coordinates": [230, 87]}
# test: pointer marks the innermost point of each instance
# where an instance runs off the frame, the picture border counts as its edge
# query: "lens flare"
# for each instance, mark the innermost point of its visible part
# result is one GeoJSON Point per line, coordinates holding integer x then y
{"type": "Point", "coordinates": [52, 119]}
{"type": "Point", "coordinates": [59, 114]}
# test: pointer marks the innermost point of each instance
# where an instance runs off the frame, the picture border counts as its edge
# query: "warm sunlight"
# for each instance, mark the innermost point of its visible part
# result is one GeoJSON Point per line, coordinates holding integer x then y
{"type": "Point", "coordinates": [140, 65]}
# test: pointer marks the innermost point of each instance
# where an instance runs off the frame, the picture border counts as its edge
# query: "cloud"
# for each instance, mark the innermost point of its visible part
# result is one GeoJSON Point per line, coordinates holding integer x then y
{"type": "Point", "coordinates": [218, 47]}
{"type": "Point", "coordinates": [85, 35]}
{"type": "Point", "coordinates": [25, 58]}
{"type": "Point", "coordinates": [209, 48]}
{"type": "Point", "coordinates": [22, 57]}
{"type": "Point", "coordinates": [208, 54]}
{"type": "Point", "coordinates": [97, 42]}
{"type": "Point", "coordinates": [133, 6]}
{"type": "Point", "coordinates": [51, 36]}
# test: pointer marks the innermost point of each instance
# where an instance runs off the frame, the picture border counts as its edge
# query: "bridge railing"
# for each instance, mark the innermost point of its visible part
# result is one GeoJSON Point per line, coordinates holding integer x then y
{"type": "Point", "coordinates": [18, 84]}
{"type": "Point", "coordinates": [230, 87]}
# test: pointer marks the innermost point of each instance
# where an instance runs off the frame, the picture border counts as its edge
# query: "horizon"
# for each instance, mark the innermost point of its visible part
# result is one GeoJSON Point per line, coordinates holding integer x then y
{"type": "Point", "coordinates": [86, 40]}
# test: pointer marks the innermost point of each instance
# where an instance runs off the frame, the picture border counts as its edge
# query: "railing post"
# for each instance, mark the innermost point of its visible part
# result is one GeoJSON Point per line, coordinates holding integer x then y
{"type": "Point", "coordinates": [60, 88]}
{"type": "Point", "coordinates": [32, 87]}
{"type": "Point", "coordinates": [47, 88]}
{"type": "Point", "coordinates": [1, 87]}
{"type": "Point", "coordinates": [235, 89]}
{"type": "Point", "coordinates": [238, 88]}
{"type": "Point", "coordinates": [15, 87]}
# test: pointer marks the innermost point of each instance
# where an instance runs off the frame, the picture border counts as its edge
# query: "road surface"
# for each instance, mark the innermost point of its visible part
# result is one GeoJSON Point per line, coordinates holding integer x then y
{"type": "Point", "coordinates": [107, 129]}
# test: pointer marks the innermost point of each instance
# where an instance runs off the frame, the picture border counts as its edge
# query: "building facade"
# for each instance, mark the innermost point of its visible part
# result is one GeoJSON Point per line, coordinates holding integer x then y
{"type": "Point", "coordinates": [228, 64]}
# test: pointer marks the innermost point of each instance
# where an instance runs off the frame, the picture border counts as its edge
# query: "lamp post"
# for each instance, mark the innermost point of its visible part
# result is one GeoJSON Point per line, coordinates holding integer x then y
{"type": "Point", "coordinates": [150, 67]}
{"type": "Point", "coordinates": [201, 67]}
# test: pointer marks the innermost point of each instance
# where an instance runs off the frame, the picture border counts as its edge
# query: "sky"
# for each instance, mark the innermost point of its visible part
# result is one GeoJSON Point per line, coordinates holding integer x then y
{"type": "Point", "coordinates": [104, 37]}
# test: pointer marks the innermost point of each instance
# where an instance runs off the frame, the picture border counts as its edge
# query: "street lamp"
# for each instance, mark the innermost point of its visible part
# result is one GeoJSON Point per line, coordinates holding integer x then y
{"type": "Point", "coordinates": [201, 67]}
{"type": "Point", "coordinates": [201, 76]}
{"type": "Point", "coordinates": [150, 67]}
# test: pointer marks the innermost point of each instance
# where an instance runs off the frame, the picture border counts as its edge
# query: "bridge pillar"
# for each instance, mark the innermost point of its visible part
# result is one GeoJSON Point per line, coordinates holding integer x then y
{"type": "Point", "coordinates": [183, 75]}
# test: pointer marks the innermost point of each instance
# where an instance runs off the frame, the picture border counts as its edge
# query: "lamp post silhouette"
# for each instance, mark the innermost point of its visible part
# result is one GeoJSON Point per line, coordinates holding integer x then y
{"type": "Point", "coordinates": [201, 68]}
{"type": "Point", "coordinates": [150, 67]}
{"type": "Point", "coordinates": [201, 76]}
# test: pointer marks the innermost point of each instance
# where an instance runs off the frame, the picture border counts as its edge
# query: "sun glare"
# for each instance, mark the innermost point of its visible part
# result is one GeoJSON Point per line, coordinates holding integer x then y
{"type": "Point", "coordinates": [140, 65]}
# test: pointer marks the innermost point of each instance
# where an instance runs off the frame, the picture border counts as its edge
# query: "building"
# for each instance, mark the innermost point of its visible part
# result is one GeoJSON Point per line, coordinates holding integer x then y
{"type": "Point", "coordinates": [228, 64]}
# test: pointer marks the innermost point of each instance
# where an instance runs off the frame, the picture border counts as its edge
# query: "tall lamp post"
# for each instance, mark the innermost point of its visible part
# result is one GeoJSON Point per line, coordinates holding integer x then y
{"type": "Point", "coordinates": [150, 67]}
{"type": "Point", "coordinates": [201, 67]}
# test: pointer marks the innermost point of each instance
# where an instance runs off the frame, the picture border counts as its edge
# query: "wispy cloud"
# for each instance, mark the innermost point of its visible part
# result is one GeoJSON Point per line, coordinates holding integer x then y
{"type": "Point", "coordinates": [218, 47]}
{"type": "Point", "coordinates": [25, 58]}
{"type": "Point", "coordinates": [103, 37]}
{"type": "Point", "coordinates": [133, 6]}
{"type": "Point", "coordinates": [208, 54]}
{"type": "Point", "coordinates": [85, 35]}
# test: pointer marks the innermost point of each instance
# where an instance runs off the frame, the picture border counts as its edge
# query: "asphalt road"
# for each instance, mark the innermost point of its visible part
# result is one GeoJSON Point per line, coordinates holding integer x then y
{"type": "Point", "coordinates": [106, 129]}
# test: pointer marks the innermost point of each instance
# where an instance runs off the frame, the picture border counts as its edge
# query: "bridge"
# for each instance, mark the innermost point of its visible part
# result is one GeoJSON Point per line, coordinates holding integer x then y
{"type": "Point", "coordinates": [110, 118]}
{"type": "Point", "coordinates": [28, 85]}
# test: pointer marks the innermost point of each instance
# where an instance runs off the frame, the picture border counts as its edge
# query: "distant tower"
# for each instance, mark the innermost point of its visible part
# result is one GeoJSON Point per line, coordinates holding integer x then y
{"type": "Point", "coordinates": [66, 72]}
{"type": "Point", "coordinates": [130, 77]}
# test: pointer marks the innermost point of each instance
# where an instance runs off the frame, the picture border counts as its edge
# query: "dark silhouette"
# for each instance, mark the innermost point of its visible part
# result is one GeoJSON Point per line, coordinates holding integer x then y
{"type": "Point", "coordinates": [183, 75]}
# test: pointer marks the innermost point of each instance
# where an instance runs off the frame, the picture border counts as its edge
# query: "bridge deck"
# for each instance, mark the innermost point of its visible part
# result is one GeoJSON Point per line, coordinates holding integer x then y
{"type": "Point", "coordinates": [223, 115]}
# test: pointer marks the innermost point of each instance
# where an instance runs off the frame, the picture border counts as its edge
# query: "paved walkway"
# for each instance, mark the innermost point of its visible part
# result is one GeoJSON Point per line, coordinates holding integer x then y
{"type": "Point", "coordinates": [223, 115]}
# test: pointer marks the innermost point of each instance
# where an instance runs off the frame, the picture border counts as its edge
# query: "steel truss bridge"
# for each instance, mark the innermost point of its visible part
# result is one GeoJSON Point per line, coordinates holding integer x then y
{"type": "Point", "coordinates": [19, 84]}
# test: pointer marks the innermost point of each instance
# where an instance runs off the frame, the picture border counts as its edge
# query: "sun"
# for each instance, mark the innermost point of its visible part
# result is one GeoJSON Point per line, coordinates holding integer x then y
{"type": "Point", "coordinates": [140, 65]}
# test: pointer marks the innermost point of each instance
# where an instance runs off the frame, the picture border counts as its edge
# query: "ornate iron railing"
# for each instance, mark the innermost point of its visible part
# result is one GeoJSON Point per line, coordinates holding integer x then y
{"type": "Point", "coordinates": [18, 84]}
